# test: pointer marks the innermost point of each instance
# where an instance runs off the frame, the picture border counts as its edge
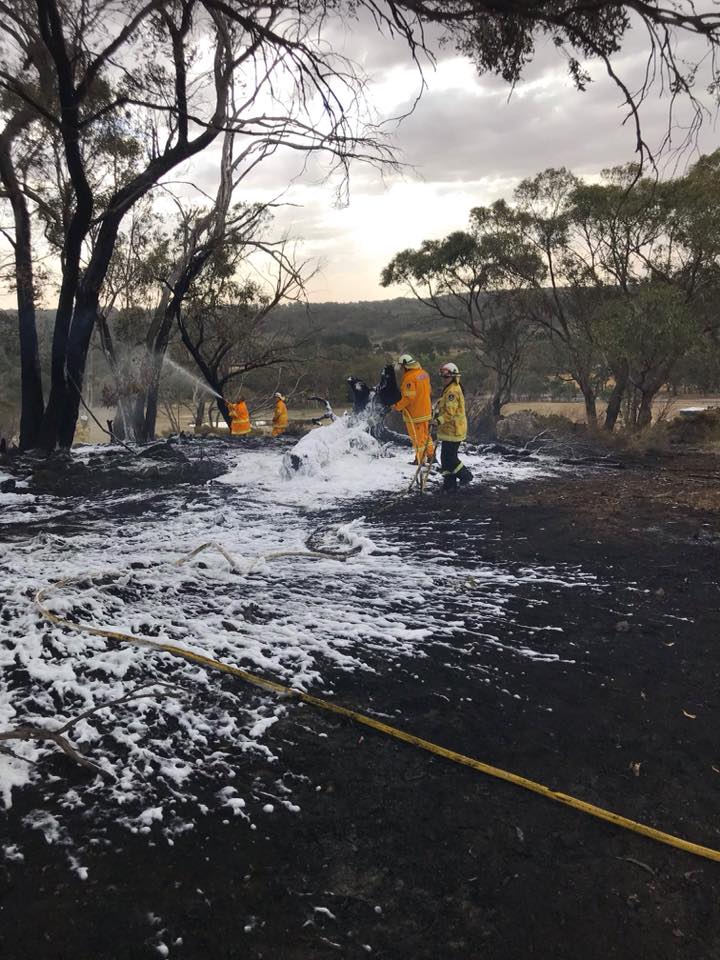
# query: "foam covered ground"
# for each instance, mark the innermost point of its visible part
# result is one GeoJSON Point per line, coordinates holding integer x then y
{"type": "Point", "coordinates": [298, 619]}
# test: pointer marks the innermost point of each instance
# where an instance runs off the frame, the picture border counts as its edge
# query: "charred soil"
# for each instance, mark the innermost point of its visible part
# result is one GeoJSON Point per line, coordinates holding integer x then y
{"type": "Point", "coordinates": [397, 854]}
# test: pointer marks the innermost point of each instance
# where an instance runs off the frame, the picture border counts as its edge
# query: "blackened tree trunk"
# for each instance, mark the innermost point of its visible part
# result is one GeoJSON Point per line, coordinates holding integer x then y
{"type": "Point", "coordinates": [152, 390]}
{"type": "Point", "coordinates": [648, 385]}
{"type": "Point", "coordinates": [59, 421]}
{"type": "Point", "coordinates": [209, 370]}
{"type": "Point", "coordinates": [156, 344]}
{"type": "Point", "coordinates": [482, 422]}
{"type": "Point", "coordinates": [224, 412]}
{"type": "Point", "coordinates": [590, 399]}
{"type": "Point", "coordinates": [77, 349]}
{"type": "Point", "coordinates": [31, 390]}
{"type": "Point", "coordinates": [31, 400]}
{"type": "Point", "coordinates": [621, 373]}
{"type": "Point", "coordinates": [504, 379]}
{"type": "Point", "coordinates": [644, 414]}
{"type": "Point", "coordinates": [78, 301]}
{"type": "Point", "coordinates": [200, 413]}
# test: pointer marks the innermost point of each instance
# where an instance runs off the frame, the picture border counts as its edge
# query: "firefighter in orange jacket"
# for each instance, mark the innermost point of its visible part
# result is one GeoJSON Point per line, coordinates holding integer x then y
{"type": "Point", "coordinates": [240, 418]}
{"type": "Point", "coordinates": [415, 404]}
{"type": "Point", "coordinates": [280, 416]}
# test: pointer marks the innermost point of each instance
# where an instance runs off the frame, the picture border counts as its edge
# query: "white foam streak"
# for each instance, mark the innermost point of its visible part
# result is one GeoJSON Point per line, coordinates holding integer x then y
{"type": "Point", "coordinates": [299, 620]}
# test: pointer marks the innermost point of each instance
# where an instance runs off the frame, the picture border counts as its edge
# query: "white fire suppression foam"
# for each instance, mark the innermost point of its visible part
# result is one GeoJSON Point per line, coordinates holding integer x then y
{"type": "Point", "coordinates": [316, 451]}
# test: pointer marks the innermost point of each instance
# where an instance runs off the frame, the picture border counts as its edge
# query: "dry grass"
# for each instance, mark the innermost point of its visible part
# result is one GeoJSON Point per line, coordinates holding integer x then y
{"type": "Point", "coordinates": [571, 410]}
{"type": "Point", "coordinates": [574, 410]}
{"type": "Point", "coordinates": [665, 408]}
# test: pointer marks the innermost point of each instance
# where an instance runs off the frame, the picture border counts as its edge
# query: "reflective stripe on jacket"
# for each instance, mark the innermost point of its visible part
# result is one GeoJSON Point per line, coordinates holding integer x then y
{"type": "Point", "coordinates": [415, 402]}
{"type": "Point", "coordinates": [240, 418]}
{"type": "Point", "coordinates": [452, 422]}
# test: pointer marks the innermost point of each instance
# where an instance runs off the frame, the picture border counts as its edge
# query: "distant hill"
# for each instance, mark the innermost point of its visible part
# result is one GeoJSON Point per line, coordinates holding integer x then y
{"type": "Point", "coordinates": [388, 326]}
{"type": "Point", "coordinates": [379, 320]}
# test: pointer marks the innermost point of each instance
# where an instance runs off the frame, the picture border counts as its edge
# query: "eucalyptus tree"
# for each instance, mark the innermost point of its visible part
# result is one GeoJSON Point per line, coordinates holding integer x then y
{"type": "Point", "coordinates": [214, 245]}
{"type": "Point", "coordinates": [651, 326]}
{"type": "Point", "coordinates": [662, 252]}
{"type": "Point", "coordinates": [619, 229]}
{"type": "Point", "coordinates": [563, 304]}
{"type": "Point", "coordinates": [596, 242]}
{"type": "Point", "coordinates": [624, 256]}
{"type": "Point", "coordinates": [476, 278]}
{"type": "Point", "coordinates": [689, 256]}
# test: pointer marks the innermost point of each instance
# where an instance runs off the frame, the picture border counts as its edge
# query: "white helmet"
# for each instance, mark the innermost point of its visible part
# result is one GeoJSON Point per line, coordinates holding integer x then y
{"type": "Point", "coordinates": [405, 359]}
{"type": "Point", "coordinates": [449, 370]}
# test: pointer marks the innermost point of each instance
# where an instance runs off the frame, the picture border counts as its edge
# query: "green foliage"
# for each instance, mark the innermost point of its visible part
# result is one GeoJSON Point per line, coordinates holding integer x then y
{"type": "Point", "coordinates": [488, 256]}
{"type": "Point", "coordinates": [619, 278]}
{"type": "Point", "coordinates": [350, 338]}
{"type": "Point", "coordinates": [502, 41]}
{"type": "Point", "coordinates": [423, 349]}
{"type": "Point", "coordinates": [651, 327]}
{"type": "Point", "coordinates": [698, 371]}
{"type": "Point", "coordinates": [455, 276]}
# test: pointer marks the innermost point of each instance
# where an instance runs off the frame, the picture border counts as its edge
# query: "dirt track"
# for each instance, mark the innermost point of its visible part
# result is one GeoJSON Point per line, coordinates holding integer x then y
{"type": "Point", "coordinates": [396, 854]}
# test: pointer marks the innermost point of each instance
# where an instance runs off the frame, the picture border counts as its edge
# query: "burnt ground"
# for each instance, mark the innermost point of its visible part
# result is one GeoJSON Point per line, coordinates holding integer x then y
{"type": "Point", "coordinates": [411, 856]}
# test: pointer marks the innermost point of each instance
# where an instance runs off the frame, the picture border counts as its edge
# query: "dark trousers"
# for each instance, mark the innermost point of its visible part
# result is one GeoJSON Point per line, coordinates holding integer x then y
{"type": "Point", "coordinates": [450, 465]}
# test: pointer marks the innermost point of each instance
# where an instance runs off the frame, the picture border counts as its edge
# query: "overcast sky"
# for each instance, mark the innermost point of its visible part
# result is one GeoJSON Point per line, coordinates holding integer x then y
{"type": "Point", "coordinates": [469, 141]}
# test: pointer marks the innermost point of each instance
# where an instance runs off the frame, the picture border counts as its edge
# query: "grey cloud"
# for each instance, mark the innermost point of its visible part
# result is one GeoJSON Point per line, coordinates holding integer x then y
{"type": "Point", "coordinates": [457, 141]}
{"type": "Point", "coordinates": [458, 136]}
{"type": "Point", "coordinates": [375, 49]}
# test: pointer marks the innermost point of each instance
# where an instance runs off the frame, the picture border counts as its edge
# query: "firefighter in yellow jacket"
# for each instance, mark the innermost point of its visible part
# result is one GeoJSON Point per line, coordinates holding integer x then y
{"type": "Point", "coordinates": [240, 418]}
{"type": "Point", "coordinates": [452, 428]}
{"type": "Point", "coordinates": [415, 404]}
{"type": "Point", "coordinates": [280, 416]}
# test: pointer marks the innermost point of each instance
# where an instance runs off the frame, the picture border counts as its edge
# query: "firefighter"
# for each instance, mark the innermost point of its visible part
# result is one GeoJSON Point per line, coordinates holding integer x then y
{"type": "Point", "coordinates": [415, 404]}
{"type": "Point", "coordinates": [451, 428]}
{"type": "Point", "coordinates": [280, 415]}
{"type": "Point", "coordinates": [240, 422]}
{"type": "Point", "coordinates": [82, 430]}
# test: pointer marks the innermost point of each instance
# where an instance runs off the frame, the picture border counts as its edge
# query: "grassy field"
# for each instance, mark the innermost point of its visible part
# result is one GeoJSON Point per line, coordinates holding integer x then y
{"type": "Point", "coordinates": [665, 407]}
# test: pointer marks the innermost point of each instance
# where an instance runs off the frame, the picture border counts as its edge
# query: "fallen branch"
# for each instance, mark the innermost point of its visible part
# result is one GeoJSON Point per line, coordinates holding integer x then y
{"type": "Point", "coordinates": [16, 756]}
{"type": "Point", "coordinates": [32, 732]}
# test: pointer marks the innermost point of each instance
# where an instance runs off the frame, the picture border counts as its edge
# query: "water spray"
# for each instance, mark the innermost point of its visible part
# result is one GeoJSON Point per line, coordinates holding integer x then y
{"type": "Point", "coordinates": [193, 379]}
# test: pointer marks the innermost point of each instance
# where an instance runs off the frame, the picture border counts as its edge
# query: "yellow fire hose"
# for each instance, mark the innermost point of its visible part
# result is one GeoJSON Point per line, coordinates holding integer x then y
{"type": "Point", "coordinates": [283, 690]}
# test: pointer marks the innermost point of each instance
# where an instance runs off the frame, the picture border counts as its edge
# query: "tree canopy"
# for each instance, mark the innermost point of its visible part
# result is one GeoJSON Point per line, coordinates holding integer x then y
{"type": "Point", "coordinates": [101, 101]}
{"type": "Point", "coordinates": [620, 275]}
